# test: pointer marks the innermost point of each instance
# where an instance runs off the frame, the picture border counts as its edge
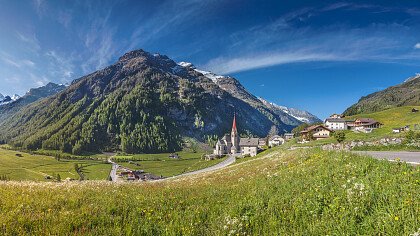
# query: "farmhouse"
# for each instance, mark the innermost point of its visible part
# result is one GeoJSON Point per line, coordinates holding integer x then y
{"type": "Point", "coordinates": [275, 141]}
{"type": "Point", "coordinates": [288, 136]}
{"type": "Point", "coordinates": [335, 123]}
{"type": "Point", "coordinates": [336, 116]}
{"type": "Point", "coordinates": [366, 123]}
{"type": "Point", "coordinates": [316, 132]}
{"type": "Point", "coordinates": [234, 145]}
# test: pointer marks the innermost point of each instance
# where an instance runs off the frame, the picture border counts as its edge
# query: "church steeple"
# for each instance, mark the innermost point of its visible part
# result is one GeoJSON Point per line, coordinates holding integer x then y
{"type": "Point", "coordinates": [234, 124]}
{"type": "Point", "coordinates": [235, 137]}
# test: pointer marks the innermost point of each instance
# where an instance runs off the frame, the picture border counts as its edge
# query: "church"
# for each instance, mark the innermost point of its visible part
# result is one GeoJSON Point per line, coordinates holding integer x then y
{"type": "Point", "coordinates": [234, 145]}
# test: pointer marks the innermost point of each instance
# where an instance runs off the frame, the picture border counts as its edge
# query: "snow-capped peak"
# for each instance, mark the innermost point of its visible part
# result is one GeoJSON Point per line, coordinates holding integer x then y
{"type": "Point", "coordinates": [300, 115]}
{"type": "Point", "coordinates": [186, 64]}
{"type": "Point", "coordinates": [207, 74]}
{"type": "Point", "coordinates": [15, 97]}
{"type": "Point", "coordinates": [7, 99]}
{"type": "Point", "coordinates": [412, 78]}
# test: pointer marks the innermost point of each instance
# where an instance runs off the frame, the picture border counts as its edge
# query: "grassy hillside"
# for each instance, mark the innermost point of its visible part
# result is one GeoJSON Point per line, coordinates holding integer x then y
{"type": "Point", "coordinates": [36, 167]}
{"type": "Point", "coordinates": [303, 192]}
{"type": "Point", "coordinates": [391, 118]}
{"type": "Point", "coordinates": [161, 164]}
{"type": "Point", "coordinates": [405, 94]}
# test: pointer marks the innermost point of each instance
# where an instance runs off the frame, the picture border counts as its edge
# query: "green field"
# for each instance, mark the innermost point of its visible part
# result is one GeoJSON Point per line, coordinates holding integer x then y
{"type": "Point", "coordinates": [391, 118]}
{"type": "Point", "coordinates": [301, 192]}
{"type": "Point", "coordinates": [161, 164]}
{"type": "Point", "coordinates": [36, 167]}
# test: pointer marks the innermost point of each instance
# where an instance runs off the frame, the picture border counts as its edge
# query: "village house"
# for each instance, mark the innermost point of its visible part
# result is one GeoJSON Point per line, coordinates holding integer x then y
{"type": "Point", "coordinates": [366, 124]}
{"type": "Point", "coordinates": [275, 141]}
{"type": "Point", "coordinates": [336, 116]}
{"type": "Point", "coordinates": [234, 145]}
{"type": "Point", "coordinates": [288, 136]}
{"type": "Point", "coordinates": [249, 146]}
{"type": "Point", "coordinates": [316, 132]}
{"type": "Point", "coordinates": [336, 123]}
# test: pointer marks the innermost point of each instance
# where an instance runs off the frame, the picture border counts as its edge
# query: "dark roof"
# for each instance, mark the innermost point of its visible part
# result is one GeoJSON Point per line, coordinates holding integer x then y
{"type": "Point", "coordinates": [249, 142]}
{"type": "Point", "coordinates": [366, 120]}
{"type": "Point", "coordinates": [338, 120]}
{"type": "Point", "coordinates": [274, 137]}
{"type": "Point", "coordinates": [307, 129]}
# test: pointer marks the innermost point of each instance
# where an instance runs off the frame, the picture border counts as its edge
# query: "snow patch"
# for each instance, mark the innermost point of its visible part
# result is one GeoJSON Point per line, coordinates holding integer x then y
{"type": "Point", "coordinates": [207, 74]}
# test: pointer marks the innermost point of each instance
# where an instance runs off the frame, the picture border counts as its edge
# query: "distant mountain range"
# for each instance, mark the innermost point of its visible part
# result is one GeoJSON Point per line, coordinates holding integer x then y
{"type": "Point", "coordinates": [9, 106]}
{"type": "Point", "coordinates": [404, 94]}
{"type": "Point", "coordinates": [8, 99]}
{"type": "Point", "coordinates": [143, 103]}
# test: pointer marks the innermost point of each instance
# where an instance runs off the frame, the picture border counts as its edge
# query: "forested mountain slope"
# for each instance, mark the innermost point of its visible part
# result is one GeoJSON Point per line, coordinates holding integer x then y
{"type": "Point", "coordinates": [143, 103]}
{"type": "Point", "coordinates": [407, 93]}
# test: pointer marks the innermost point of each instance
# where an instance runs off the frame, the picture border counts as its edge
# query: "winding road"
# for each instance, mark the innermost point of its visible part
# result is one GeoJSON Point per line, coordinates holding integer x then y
{"type": "Point", "coordinates": [114, 178]}
{"type": "Point", "coordinates": [412, 158]}
{"type": "Point", "coordinates": [230, 160]}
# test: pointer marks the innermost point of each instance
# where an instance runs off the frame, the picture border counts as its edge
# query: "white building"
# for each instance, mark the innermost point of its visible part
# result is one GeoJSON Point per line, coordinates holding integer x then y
{"type": "Point", "coordinates": [233, 144]}
{"type": "Point", "coordinates": [335, 123]}
{"type": "Point", "coordinates": [275, 141]}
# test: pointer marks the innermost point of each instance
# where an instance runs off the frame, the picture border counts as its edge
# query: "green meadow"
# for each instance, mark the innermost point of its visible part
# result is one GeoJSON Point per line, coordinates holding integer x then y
{"type": "Point", "coordinates": [161, 164]}
{"type": "Point", "coordinates": [300, 192]}
{"type": "Point", "coordinates": [23, 166]}
{"type": "Point", "coordinates": [391, 118]}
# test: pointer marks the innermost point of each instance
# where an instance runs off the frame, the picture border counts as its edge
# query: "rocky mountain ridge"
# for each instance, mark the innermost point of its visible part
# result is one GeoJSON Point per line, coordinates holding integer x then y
{"type": "Point", "coordinates": [143, 103]}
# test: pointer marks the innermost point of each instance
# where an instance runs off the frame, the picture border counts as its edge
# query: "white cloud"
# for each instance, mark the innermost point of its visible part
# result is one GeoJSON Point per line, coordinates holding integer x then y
{"type": "Point", "coordinates": [417, 46]}
{"type": "Point", "coordinates": [281, 42]}
{"type": "Point", "coordinates": [30, 40]}
{"type": "Point", "coordinates": [249, 62]}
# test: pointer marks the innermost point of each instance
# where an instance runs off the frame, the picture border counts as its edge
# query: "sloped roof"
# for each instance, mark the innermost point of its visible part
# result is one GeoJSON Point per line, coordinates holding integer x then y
{"type": "Point", "coordinates": [336, 120]}
{"type": "Point", "coordinates": [310, 128]}
{"type": "Point", "coordinates": [249, 142]}
{"type": "Point", "coordinates": [275, 137]}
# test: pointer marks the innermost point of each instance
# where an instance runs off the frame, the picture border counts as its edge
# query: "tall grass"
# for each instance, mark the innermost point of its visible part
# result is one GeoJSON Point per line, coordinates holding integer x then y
{"type": "Point", "coordinates": [302, 192]}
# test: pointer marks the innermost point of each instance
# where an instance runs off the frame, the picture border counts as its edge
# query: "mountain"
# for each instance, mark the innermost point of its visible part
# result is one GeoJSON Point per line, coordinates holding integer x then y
{"type": "Point", "coordinates": [299, 115]}
{"type": "Point", "coordinates": [16, 102]}
{"type": "Point", "coordinates": [289, 116]}
{"type": "Point", "coordinates": [404, 94]}
{"type": "Point", "coordinates": [143, 103]}
{"type": "Point", "coordinates": [7, 99]}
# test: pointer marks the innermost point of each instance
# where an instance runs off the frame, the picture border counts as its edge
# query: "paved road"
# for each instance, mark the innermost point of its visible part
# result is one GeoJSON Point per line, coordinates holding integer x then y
{"type": "Point", "coordinates": [409, 157]}
{"type": "Point", "coordinates": [230, 160]}
{"type": "Point", "coordinates": [113, 173]}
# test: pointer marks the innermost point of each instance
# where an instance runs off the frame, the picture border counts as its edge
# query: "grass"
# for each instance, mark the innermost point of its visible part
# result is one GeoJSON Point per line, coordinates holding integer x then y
{"type": "Point", "coordinates": [161, 164]}
{"type": "Point", "coordinates": [36, 167]}
{"type": "Point", "coordinates": [300, 192]}
{"type": "Point", "coordinates": [391, 118]}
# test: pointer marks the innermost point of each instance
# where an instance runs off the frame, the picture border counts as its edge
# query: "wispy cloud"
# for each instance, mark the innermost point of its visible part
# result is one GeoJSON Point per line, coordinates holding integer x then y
{"type": "Point", "coordinates": [171, 14]}
{"type": "Point", "coordinates": [30, 40]}
{"type": "Point", "coordinates": [11, 61]}
{"type": "Point", "coordinates": [60, 66]}
{"type": "Point", "coordinates": [282, 42]}
{"type": "Point", "coordinates": [40, 7]}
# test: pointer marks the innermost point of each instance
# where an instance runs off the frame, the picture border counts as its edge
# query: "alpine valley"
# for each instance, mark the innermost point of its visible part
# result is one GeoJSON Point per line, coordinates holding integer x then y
{"type": "Point", "coordinates": [144, 103]}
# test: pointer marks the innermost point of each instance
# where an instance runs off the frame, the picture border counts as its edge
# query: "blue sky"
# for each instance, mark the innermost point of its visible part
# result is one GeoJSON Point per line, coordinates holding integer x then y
{"type": "Point", "coordinates": [318, 56]}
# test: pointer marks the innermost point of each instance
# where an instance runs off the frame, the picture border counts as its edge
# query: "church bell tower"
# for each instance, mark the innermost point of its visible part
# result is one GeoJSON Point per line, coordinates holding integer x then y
{"type": "Point", "coordinates": [235, 137]}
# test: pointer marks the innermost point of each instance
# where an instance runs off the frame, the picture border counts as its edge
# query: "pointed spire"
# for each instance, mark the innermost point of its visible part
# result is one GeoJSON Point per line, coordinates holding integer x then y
{"type": "Point", "coordinates": [234, 123]}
